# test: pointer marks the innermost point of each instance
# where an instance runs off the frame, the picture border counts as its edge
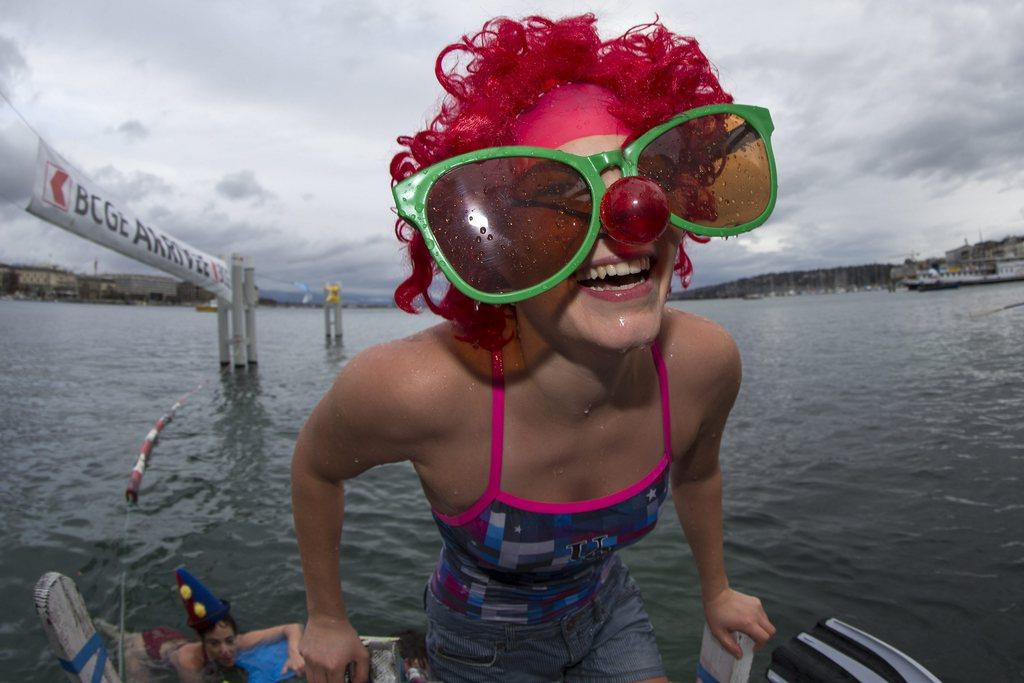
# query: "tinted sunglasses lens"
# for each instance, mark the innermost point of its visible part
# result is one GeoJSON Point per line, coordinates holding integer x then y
{"type": "Point", "coordinates": [510, 223]}
{"type": "Point", "coordinates": [713, 168]}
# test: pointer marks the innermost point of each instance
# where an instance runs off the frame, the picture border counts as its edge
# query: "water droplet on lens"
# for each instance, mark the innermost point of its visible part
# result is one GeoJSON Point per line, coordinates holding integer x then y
{"type": "Point", "coordinates": [490, 237]}
{"type": "Point", "coordinates": [483, 231]}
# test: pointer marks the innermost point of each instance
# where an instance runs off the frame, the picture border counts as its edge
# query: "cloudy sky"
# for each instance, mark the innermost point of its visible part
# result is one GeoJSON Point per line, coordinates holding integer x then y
{"type": "Point", "coordinates": [267, 127]}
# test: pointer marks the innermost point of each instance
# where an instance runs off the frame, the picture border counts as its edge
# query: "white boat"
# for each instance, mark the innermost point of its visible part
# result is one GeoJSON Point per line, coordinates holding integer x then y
{"type": "Point", "coordinates": [951, 277]}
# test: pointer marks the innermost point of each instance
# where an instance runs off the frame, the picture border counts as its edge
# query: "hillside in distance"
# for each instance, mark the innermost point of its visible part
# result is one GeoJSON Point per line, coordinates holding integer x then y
{"type": "Point", "coordinates": [819, 281]}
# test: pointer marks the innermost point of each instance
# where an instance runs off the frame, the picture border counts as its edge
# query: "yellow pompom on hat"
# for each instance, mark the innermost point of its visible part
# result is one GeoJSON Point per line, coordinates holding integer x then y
{"type": "Point", "coordinates": [201, 605]}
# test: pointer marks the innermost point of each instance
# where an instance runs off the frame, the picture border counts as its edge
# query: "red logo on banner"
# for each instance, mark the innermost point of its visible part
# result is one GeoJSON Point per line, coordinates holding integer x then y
{"type": "Point", "coordinates": [55, 185]}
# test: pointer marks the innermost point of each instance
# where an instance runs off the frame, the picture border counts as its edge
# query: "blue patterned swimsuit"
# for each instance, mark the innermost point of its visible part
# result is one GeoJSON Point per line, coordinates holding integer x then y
{"type": "Point", "coordinates": [509, 559]}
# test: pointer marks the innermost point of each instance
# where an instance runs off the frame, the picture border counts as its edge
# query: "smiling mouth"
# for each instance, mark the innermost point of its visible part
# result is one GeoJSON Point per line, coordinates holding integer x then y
{"type": "Point", "coordinates": [616, 276]}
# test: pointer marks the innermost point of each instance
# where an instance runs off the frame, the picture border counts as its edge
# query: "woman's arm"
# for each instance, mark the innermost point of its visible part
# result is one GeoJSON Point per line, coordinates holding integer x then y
{"type": "Point", "coordinates": [330, 642]}
{"type": "Point", "coordinates": [364, 420]}
{"type": "Point", "coordinates": [697, 493]}
{"type": "Point", "coordinates": [291, 632]}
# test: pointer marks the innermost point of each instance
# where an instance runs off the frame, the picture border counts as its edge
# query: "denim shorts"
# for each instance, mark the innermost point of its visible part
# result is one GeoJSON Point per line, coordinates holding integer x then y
{"type": "Point", "coordinates": [610, 639]}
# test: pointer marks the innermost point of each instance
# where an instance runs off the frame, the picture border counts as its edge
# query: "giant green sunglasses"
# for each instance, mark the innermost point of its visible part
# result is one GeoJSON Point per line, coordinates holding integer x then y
{"type": "Point", "coordinates": [508, 223]}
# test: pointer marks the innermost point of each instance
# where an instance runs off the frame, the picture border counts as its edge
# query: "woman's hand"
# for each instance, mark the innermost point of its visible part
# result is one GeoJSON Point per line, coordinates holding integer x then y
{"type": "Point", "coordinates": [730, 611]}
{"type": "Point", "coordinates": [294, 663]}
{"type": "Point", "coordinates": [328, 647]}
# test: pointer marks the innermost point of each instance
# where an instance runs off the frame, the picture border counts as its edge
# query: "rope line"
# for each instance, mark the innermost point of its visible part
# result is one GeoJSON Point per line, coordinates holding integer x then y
{"type": "Point", "coordinates": [124, 581]}
{"type": "Point", "coordinates": [979, 314]}
{"type": "Point", "coordinates": [16, 205]}
{"type": "Point", "coordinates": [10, 104]}
{"type": "Point", "coordinates": [131, 493]}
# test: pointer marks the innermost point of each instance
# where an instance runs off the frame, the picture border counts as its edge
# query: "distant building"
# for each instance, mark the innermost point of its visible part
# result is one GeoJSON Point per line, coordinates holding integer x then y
{"type": "Point", "coordinates": [191, 293]}
{"type": "Point", "coordinates": [1011, 268]}
{"type": "Point", "coordinates": [48, 282]}
{"type": "Point", "coordinates": [972, 255]}
{"type": "Point", "coordinates": [97, 287]}
{"type": "Point", "coordinates": [45, 282]}
{"type": "Point", "coordinates": [907, 269]}
{"type": "Point", "coordinates": [8, 279]}
{"type": "Point", "coordinates": [146, 287]}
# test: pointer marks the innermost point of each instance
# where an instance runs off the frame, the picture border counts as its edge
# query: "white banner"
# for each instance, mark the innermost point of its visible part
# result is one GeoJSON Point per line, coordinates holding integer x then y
{"type": "Point", "coordinates": [62, 195]}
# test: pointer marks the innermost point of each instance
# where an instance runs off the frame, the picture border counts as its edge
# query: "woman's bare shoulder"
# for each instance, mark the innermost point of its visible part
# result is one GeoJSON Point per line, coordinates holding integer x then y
{"type": "Point", "coordinates": [429, 363]}
{"type": "Point", "coordinates": [188, 658]}
{"type": "Point", "coordinates": [700, 352]}
{"type": "Point", "coordinates": [406, 386]}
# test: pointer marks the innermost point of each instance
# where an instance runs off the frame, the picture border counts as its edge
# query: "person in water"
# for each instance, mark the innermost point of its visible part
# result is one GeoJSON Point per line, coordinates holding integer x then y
{"type": "Point", "coordinates": [221, 653]}
{"type": "Point", "coordinates": [562, 401]}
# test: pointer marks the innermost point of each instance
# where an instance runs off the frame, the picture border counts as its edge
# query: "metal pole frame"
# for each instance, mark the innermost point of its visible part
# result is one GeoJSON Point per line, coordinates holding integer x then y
{"type": "Point", "coordinates": [251, 301]}
{"type": "Point", "coordinates": [238, 341]}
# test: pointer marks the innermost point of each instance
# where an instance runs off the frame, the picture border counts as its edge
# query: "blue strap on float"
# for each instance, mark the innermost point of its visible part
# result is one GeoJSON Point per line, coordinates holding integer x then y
{"type": "Point", "coordinates": [91, 647]}
{"type": "Point", "coordinates": [704, 676]}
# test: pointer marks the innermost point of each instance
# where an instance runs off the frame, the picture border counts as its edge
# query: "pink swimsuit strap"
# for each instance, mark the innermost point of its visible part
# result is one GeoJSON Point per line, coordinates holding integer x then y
{"type": "Point", "coordinates": [494, 491]}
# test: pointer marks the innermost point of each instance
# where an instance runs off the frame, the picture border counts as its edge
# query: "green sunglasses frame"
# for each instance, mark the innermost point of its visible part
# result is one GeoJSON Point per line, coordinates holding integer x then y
{"type": "Point", "coordinates": [411, 194]}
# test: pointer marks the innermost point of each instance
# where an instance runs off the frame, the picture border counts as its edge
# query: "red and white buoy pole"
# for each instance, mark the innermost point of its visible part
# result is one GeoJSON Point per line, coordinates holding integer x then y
{"type": "Point", "coordinates": [131, 493]}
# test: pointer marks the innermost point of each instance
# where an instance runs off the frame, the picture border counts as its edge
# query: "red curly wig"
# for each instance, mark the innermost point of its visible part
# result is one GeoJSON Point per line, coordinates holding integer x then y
{"type": "Point", "coordinates": [653, 73]}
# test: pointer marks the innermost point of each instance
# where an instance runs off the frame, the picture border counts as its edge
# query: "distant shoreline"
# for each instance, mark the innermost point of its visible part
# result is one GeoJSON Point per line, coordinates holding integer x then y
{"type": "Point", "coordinates": [840, 280]}
{"type": "Point", "coordinates": [169, 304]}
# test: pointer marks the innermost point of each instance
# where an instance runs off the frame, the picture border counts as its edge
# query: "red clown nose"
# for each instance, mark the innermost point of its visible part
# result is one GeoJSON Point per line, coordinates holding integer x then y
{"type": "Point", "coordinates": [634, 210]}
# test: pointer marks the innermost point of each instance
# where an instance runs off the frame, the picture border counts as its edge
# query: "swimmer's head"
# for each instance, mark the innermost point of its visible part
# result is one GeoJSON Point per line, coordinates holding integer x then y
{"type": "Point", "coordinates": [218, 641]}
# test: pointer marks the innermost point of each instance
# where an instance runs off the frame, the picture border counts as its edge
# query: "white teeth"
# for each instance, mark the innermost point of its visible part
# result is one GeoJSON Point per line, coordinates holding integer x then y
{"type": "Point", "coordinates": [630, 267]}
{"type": "Point", "coordinates": [602, 288]}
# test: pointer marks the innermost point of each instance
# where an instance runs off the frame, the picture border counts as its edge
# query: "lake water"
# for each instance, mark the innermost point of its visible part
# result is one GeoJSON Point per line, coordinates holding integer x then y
{"type": "Point", "coordinates": [873, 469]}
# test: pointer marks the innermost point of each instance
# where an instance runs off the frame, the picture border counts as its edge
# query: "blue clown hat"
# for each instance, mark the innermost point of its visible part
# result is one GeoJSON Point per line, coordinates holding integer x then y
{"type": "Point", "coordinates": [202, 606]}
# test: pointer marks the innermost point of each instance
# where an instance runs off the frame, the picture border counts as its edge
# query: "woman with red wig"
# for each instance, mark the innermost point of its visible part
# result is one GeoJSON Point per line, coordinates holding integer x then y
{"type": "Point", "coordinates": [553, 413]}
